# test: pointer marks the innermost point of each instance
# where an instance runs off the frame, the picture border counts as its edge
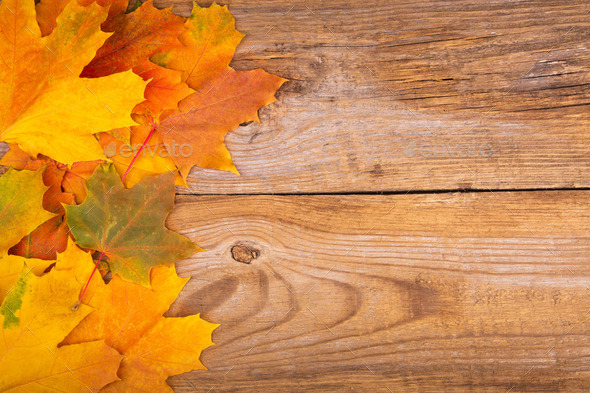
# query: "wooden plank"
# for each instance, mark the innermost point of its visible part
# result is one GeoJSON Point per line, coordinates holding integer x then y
{"type": "Point", "coordinates": [392, 95]}
{"type": "Point", "coordinates": [476, 292]}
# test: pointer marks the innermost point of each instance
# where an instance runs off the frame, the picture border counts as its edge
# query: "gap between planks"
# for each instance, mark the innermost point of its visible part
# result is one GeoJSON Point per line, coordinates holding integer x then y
{"type": "Point", "coordinates": [401, 192]}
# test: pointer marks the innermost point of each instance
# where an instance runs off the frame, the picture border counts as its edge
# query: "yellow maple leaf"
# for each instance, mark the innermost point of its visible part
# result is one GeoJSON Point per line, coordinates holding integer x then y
{"type": "Point", "coordinates": [44, 106]}
{"type": "Point", "coordinates": [11, 266]}
{"type": "Point", "coordinates": [154, 158]}
{"type": "Point", "coordinates": [154, 347]}
{"type": "Point", "coordinates": [21, 209]}
{"type": "Point", "coordinates": [35, 316]}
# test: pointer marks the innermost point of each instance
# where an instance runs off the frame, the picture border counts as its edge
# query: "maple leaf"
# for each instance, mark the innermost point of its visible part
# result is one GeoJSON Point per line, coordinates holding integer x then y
{"type": "Point", "coordinates": [67, 184]}
{"type": "Point", "coordinates": [11, 267]}
{"type": "Point", "coordinates": [154, 347]}
{"type": "Point", "coordinates": [21, 209]}
{"type": "Point", "coordinates": [20, 204]}
{"type": "Point", "coordinates": [137, 36]}
{"type": "Point", "coordinates": [127, 225]}
{"type": "Point", "coordinates": [49, 10]}
{"type": "Point", "coordinates": [45, 241]}
{"type": "Point", "coordinates": [45, 107]}
{"type": "Point", "coordinates": [225, 97]}
{"type": "Point", "coordinates": [35, 316]}
{"type": "Point", "coordinates": [208, 45]}
{"type": "Point", "coordinates": [152, 160]}
{"type": "Point", "coordinates": [206, 116]}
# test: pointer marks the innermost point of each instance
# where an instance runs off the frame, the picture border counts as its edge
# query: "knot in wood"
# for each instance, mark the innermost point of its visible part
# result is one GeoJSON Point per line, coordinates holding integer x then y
{"type": "Point", "coordinates": [244, 253]}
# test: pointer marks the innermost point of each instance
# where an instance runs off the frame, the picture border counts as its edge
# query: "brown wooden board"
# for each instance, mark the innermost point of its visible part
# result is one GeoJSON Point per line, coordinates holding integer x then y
{"type": "Point", "coordinates": [475, 292]}
{"type": "Point", "coordinates": [425, 292]}
{"type": "Point", "coordinates": [392, 95]}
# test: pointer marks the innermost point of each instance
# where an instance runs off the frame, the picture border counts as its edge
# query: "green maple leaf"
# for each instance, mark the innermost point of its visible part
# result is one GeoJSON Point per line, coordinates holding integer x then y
{"type": "Point", "coordinates": [128, 225]}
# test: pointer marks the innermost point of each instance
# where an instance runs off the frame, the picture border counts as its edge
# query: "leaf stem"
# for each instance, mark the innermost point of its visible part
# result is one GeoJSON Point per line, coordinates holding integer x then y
{"type": "Point", "coordinates": [154, 126]}
{"type": "Point", "coordinates": [75, 306]}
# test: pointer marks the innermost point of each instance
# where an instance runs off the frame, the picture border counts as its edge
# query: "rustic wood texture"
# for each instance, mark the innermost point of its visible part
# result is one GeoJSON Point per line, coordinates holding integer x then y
{"type": "Point", "coordinates": [391, 95]}
{"type": "Point", "coordinates": [427, 292]}
{"type": "Point", "coordinates": [475, 292]}
{"type": "Point", "coordinates": [374, 82]}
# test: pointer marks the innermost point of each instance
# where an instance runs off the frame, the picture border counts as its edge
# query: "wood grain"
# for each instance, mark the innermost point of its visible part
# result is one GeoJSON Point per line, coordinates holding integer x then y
{"type": "Point", "coordinates": [377, 86]}
{"type": "Point", "coordinates": [474, 292]}
{"type": "Point", "coordinates": [462, 292]}
{"type": "Point", "coordinates": [391, 95]}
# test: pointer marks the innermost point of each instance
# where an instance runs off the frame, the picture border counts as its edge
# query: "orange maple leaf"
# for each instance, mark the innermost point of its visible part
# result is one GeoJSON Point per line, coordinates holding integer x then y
{"type": "Point", "coordinates": [194, 132]}
{"type": "Point", "coordinates": [208, 45]}
{"type": "Point", "coordinates": [199, 127]}
{"type": "Point", "coordinates": [154, 347]}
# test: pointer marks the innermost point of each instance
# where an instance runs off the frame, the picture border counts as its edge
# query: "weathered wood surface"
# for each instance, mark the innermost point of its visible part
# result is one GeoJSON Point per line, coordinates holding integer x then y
{"type": "Point", "coordinates": [373, 82]}
{"type": "Point", "coordinates": [474, 292]}
{"type": "Point", "coordinates": [392, 95]}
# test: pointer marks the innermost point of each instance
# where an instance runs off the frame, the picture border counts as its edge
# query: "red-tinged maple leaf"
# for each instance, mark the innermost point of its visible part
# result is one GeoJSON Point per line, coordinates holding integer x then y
{"type": "Point", "coordinates": [205, 117]}
{"type": "Point", "coordinates": [208, 45]}
{"type": "Point", "coordinates": [45, 241]}
{"type": "Point", "coordinates": [195, 134]}
{"type": "Point", "coordinates": [67, 185]}
{"type": "Point", "coordinates": [49, 10]}
{"type": "Point", "coordinates": [137, 36]}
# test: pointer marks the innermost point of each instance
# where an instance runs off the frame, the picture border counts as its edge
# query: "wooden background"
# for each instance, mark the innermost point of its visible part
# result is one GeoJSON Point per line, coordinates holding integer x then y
{"type": "Point", "coordinates": [415, 209]}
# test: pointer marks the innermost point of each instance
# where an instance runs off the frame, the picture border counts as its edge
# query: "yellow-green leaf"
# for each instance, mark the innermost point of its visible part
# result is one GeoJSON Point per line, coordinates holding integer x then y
{"type": "Point", "coordinates": [21, 209]}
{"type": "Point", "coordinates": [35, 316]}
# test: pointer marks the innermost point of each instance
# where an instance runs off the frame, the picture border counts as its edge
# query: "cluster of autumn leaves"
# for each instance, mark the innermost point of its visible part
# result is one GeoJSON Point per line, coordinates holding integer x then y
{"type": "Point", "coordinates": [86, 89]}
